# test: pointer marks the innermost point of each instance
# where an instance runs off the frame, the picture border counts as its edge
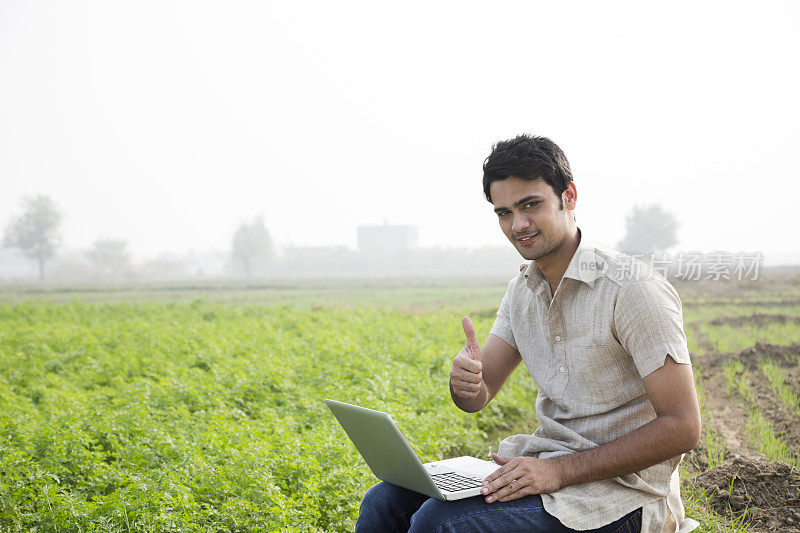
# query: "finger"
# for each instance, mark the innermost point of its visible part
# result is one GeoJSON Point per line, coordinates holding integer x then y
{"type": "Point", "coordinates": [464, 361]}
{"type": "Point", "coordinates": [463, 386]}
{"type": "Point", "coordinates": [466, 393]}
{"type": "Point", "coordinates": [504, 492]}
{"type": "Point", "coordinates": [519, 492]}
{"type": "Point", "coordinates": [463, 374]}
{"type": "Point", "coordinates": [497, 473]}
{"type": "Point", "coordinates": [472, 340]}
{"type": "Point", "coordinates": [500, 460]}
{"type": "Point", "coordinates": [506, 484]}
{"type": "Point", "coordinates": [467, 385]}
{"type": "Point", "coordinates": [522, 483]}
{"type": "Point", "coordinates": [495, 480]}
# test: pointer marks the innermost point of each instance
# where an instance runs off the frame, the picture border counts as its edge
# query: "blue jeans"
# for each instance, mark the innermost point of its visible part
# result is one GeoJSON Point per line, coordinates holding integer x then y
{"type": "Point", "coordinates": [387, 507]}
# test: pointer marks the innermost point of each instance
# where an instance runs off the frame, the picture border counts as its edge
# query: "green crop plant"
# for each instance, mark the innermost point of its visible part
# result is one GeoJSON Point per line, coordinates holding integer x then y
{"type": "Point", "coordinates": [692, 342]}
{"type": "Point", "coordinates": [194, 416]}
{"type": "Point", "coordinates": [715, 448]}
{"type": "Point", "coordinates": [731, 369]}
{"type": "Point", "coordinates": [738, 381]}
{"type": "Point", "coordinates": [760, 433]}
{"type": "Point", "coordinates": [729, 338]}
{"type": "Point", "coordinates": [745, 390]}
{"type": "Point", "coordinates": [697, 501]}
{"type": "Point", "coordinates": [778, 383]}
{"type": "Point", "coordinates": [743, 522]}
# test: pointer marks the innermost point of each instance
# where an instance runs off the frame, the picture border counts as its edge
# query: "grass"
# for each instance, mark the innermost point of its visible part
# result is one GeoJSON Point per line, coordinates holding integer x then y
{"type": "Point", "coordinates": [697, 502]}
{"type": "Point", "coordinates": [715, 449]}
{"type": "Point", "coordinates": [728, 338]}
{"type": "Point", "coordinates": [761, 435]}
{"type": "Point", "coordinates": [418, 294]}
{"type": "Point", "coordinates": [779, 384]}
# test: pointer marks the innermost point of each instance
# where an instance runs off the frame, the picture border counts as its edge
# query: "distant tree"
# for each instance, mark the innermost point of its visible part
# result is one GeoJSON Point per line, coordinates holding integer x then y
{"type": "Point", "coordinates": [251, 245]}
{"type": "Point", "coordinates": [649, 229]}
{"type": "Point", "coordinates": [110, 256]}
{"type": "Point", "coordinates": [36, 231]}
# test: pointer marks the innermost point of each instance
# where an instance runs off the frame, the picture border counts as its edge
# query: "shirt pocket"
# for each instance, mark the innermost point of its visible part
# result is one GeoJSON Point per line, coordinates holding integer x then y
{"type": "Point", "coordinates": [602, 374]}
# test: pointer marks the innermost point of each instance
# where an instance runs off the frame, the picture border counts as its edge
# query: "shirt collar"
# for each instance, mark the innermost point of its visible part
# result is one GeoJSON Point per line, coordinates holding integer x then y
{"type": "Point", "coordinates": [585, 266]}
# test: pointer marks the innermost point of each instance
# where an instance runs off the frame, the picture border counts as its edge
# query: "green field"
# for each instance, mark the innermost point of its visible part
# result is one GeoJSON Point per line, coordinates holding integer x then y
{"type": "Point", "coordinates": [188, 408]}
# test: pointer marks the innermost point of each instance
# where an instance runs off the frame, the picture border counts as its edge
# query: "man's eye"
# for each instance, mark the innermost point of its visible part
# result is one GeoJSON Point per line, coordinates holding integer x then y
{"type": "Point", "coordinates": [503, 214]}
{"type": "Point", "coordinates": [532, 204]}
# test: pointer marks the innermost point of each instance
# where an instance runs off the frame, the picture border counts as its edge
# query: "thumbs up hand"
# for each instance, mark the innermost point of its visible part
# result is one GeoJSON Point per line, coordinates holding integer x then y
{"type": "Point", "coordinates": [466, 376]}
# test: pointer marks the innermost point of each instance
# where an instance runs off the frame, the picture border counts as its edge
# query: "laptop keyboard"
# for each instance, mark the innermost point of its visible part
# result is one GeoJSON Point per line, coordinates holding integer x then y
{"type": "Point", "coordinates": [453, 482]}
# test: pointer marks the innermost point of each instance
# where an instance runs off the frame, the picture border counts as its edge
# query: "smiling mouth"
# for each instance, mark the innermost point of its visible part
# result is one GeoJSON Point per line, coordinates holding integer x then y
{"type": "Point", "coordinates": [527, 239]}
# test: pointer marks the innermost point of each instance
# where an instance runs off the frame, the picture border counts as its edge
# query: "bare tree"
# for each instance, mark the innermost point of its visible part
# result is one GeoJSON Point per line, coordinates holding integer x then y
{"type": "Point", "coordinates": [649, 229]}
{"type": "Point", "coordinates": [110, 256]}
{"type": "Point", "coordinates": [36, 231]}
{"type": "Point", "coordinates": [251, 244]}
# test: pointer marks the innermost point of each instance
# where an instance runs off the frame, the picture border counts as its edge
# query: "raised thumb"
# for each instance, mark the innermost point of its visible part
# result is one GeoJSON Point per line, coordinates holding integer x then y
{"type": "Point", "coordinates": [473, 348]}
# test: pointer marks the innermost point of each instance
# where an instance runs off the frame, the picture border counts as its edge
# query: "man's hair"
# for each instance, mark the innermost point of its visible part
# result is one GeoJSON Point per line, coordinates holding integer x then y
{"type": "Point", "coordinates": [528, 157]}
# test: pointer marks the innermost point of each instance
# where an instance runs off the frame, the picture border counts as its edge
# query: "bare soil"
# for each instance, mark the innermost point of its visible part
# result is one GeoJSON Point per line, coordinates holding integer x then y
{"type": "Point", "coordinates": [768, 491]}
{"type": "Point", "coordinates": [786, 356]}
{"type": "Point", "coordinates": [722, 301]}
{"type": "Point", "coordinates": [757, 319]}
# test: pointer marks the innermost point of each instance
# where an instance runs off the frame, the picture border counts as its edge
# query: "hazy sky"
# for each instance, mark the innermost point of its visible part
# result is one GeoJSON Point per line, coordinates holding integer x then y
{"type": "Point", "coordinates": [169, 123]}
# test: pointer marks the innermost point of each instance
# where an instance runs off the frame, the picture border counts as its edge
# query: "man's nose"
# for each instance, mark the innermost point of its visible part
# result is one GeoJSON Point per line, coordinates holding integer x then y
{"type": "Point", "coordinates": [520, 223]}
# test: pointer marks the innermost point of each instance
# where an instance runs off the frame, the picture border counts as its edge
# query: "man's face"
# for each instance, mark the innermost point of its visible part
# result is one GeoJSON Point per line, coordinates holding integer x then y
{"type": "Point", "coordinates": [530, 215]}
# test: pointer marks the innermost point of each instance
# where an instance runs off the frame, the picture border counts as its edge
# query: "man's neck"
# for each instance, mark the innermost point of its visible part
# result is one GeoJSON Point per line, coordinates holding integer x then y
{"type": "Point", "coordinates": [554, 264]}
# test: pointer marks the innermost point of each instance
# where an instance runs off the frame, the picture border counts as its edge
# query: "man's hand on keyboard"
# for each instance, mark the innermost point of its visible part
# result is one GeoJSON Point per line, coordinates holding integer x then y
{"type": "Point", "coordinates": [520, 476]}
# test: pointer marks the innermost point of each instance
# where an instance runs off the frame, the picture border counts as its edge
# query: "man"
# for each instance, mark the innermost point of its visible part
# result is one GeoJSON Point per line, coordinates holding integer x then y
{"type": "Point", "coordinates": [602, 337]}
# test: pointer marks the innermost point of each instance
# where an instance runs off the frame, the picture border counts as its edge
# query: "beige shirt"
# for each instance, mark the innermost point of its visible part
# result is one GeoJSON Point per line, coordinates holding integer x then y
{"type": "Point", "coordinates": [611, 322]}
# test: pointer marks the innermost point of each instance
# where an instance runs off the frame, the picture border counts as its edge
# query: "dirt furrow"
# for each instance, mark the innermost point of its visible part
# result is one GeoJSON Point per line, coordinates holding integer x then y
{"type": "Point", "coordinates": [756, 319]}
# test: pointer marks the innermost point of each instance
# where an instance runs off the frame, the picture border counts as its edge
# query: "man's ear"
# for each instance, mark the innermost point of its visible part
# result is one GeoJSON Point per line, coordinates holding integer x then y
{"type": "Point", "coordinates": [570, 196]}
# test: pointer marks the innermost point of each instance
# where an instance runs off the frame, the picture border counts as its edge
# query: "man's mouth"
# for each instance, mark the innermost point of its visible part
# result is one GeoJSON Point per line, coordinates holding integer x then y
{"type": "Point", "coordinates": [527, 239]}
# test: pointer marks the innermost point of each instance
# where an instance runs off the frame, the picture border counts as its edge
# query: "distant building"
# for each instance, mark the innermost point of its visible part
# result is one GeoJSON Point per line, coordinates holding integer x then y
{"type": "Point", "coordinates": [386, 238]}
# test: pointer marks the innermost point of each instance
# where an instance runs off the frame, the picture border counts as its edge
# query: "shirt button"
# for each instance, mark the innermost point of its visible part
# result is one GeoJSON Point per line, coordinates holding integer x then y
{"type": "Point", "coordinates": [558, 338]}
{"type": "Point", "coordinates": [562, 369]}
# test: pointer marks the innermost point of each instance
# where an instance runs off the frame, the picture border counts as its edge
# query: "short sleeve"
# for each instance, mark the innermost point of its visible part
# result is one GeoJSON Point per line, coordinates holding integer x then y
{"type": "Point", "coordinates": [648, 320]}
{"type": "Point", "coordinates": [502, 324]}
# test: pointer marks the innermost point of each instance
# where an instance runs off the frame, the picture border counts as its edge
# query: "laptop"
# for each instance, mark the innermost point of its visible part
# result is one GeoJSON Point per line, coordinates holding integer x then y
{"type": "Point", "coordinates": [388, 454]}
